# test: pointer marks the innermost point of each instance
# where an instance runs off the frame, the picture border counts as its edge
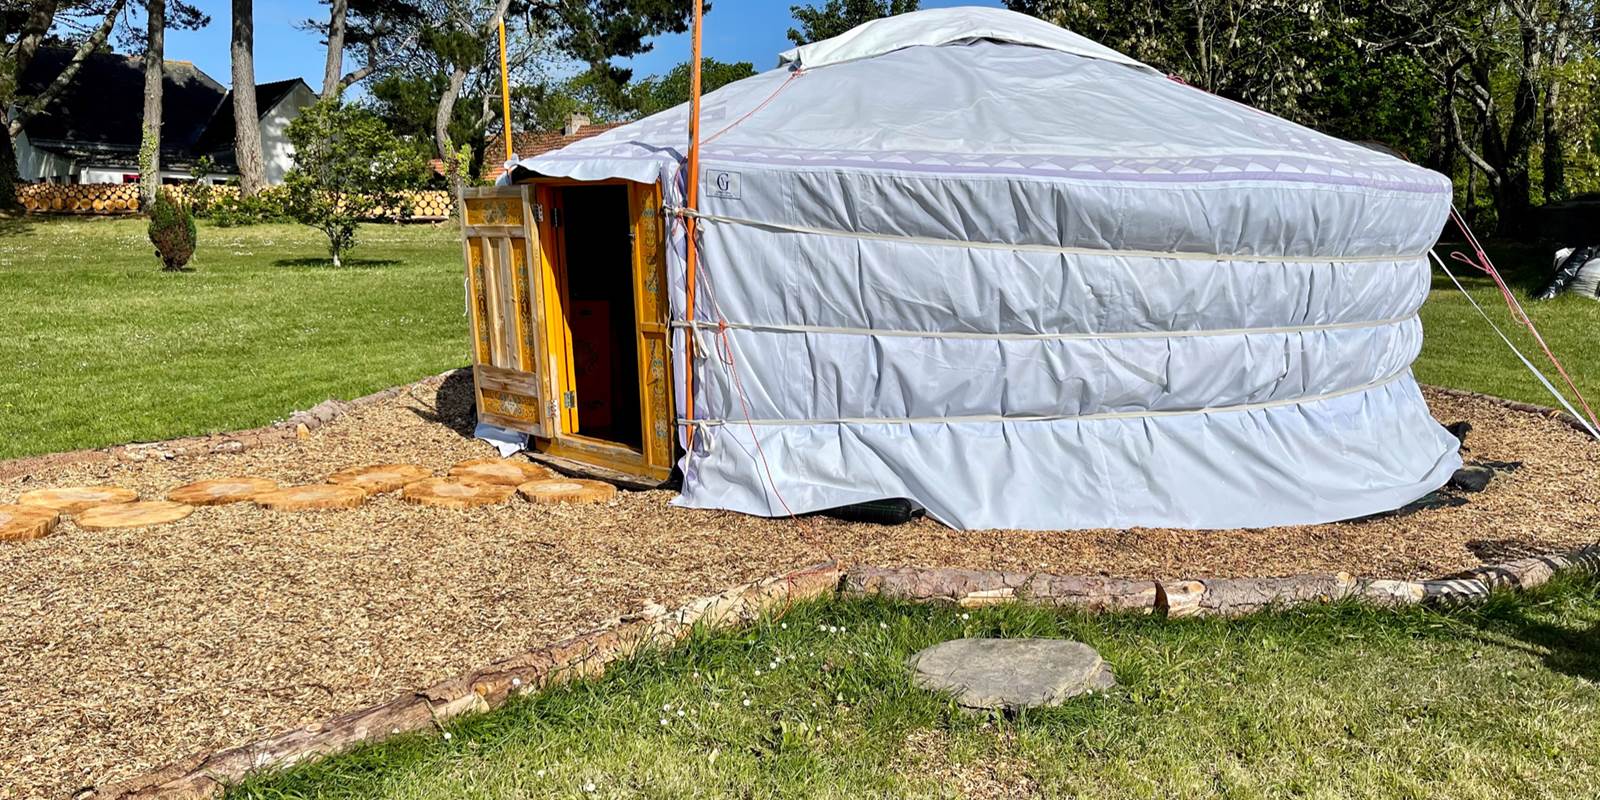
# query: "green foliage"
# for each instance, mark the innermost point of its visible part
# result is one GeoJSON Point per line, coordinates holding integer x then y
{"type": "Point", "coordinates": [661, 92]}
{"type": "Point", "coordinates": [172, 231]}
{"type": "Point", "coordinates": [348, 166]}
{"type": "Point", "coordinates": [837, 16]}
{"type": "Point", "coordinates": [268, 205]}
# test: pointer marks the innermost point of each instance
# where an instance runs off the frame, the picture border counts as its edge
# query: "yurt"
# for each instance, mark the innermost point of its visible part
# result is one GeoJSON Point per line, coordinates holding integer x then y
{"type": "Point", "coordinates": [970, 259]}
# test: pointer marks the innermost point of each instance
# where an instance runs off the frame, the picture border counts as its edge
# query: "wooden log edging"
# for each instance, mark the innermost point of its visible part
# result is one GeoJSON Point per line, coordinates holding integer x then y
{"type": "Point", "coordinates": [585, 655]}
{"type": "Point", "coordinates": [1204, 596]}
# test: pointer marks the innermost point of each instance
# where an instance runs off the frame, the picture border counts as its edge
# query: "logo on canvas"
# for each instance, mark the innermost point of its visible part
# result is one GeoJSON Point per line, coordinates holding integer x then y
{"type": "Point", "coordinates": [723, 184]}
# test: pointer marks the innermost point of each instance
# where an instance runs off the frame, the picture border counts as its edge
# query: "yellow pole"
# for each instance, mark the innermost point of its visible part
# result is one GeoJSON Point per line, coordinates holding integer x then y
{"type": "Point", "coordinates": [505, 90]}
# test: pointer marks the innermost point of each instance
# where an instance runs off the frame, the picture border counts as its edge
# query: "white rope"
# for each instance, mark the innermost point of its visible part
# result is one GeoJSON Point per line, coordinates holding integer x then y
{"type": "Point", "coordinates": [701, 325]}
{"type": "Point", "coordinates": [1037, 248]}
{"type": "Point", "coordinates": [1549, 387]}
{"type": "Point", "coordinates": [1293, 401]}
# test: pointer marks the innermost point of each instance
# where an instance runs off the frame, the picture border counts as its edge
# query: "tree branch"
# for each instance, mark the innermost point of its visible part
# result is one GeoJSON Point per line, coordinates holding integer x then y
{"type": "Point", "coordinates": [89, 45]}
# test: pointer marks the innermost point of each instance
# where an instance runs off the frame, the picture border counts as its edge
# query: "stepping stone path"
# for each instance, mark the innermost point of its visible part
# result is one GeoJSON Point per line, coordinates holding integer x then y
{"type": "Point", "coordinates": [73, 499]}
{"type": "Point", "coordinates": [478, 482]}
{"type": "Point", "coordinates": [20, 523]}
{"type": "Point", "coordinates": [312, 497]}
{"type": "Point", "coordinates": [1010, 674]}
{"type": "Point", "coordinates": [567, 490]}
{"type": "Point", "coordinates": [455, 493]}
{"type": "Point", "coordinates": [132, 515]}
{"type": "Point", "coordinates": [221, 491]}
{"type": "Point", "coordinates": [380, 478]}
{"type": "Point", "coordinates": [505, 471]}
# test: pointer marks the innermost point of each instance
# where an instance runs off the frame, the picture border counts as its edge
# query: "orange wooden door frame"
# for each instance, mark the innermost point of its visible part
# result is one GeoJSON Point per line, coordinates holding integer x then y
{"type": "Point", "coordinates": [654, 459]}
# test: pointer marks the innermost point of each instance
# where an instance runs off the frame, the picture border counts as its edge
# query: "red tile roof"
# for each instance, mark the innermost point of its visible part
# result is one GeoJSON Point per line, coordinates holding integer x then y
{"type": "Point", "coordinates": [527, 144]}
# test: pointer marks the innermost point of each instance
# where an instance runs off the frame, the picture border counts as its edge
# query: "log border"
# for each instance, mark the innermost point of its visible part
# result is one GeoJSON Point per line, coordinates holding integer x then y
{"type": "Point", "coordinates": [206, 775]}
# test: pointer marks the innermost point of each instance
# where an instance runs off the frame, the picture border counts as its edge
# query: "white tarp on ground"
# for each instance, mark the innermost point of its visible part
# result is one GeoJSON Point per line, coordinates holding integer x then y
{"type": "Point", "coordinates": [1028, 282]}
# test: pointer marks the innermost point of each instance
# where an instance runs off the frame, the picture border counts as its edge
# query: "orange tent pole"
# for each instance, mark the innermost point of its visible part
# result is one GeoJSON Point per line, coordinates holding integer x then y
{"type": "Point", "coordinates": [505, 89]}
{"type": "Point", "coordinates": [691, 196]}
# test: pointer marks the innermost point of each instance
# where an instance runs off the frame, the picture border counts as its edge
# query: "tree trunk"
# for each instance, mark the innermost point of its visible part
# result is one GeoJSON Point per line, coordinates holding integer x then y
{"type": "Point", "coordinates": [441, 126]}
{"type": "Point", "coordinates": [34, 28]}
{"type": "Point", "coordinates": [1514, 202]}
{"type": "Point", "coordinates": [1554, 159]}
{"type": "Point", "coordinates": [8, 167]}
{"type": "Point", "coordinates": [333, 69]}
{"type": "Point", "coordinates": [154, 71]}
{"type": "Point", "coordinates": [246, 120]}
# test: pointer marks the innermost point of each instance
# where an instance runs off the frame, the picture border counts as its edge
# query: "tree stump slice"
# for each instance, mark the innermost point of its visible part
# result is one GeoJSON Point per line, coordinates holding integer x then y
{"type": "Point", "coordinates": [504, 471]}
{"type": "Point", "coordinates": [455, 493]}
{"type": "Point", "coordinates": [21, 523]}
{"type": "Point", "coordinates": [312, 497]}
{"type": "Point", "coordinates": [380, 478]}
{"type": "Point", "coordinates": [74, 499]}
{"type": "Point", "coordinates": [132, 515]}
{"type": "Point", "coordinates": [567, 490]}
{"type": "Point", "coordinates": [221, 491]}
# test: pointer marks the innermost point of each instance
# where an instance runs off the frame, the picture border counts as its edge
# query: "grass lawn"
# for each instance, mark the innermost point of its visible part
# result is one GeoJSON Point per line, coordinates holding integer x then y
{"type": "Point", "coordinates": [102, 348]}
{"type": "Point", "coordinates": [1460, 351]}
{"type": "Point", "coordinates": [1341, 701]}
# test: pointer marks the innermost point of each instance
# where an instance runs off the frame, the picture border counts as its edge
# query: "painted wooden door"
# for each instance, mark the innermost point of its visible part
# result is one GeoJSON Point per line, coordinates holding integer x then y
{"type": "Point", "coordinates": [652, 320]}
{"type": "Point", "coordinates": [511, 369]}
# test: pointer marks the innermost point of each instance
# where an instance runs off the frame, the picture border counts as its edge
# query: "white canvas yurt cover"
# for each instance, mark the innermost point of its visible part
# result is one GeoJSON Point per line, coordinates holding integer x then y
{"type": "Point", "coordinates": [969, 258]}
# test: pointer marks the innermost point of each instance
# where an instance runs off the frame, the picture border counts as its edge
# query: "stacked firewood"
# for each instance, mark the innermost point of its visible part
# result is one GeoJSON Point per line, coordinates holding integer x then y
{"type": "Point", "coordinates": [123, 198]}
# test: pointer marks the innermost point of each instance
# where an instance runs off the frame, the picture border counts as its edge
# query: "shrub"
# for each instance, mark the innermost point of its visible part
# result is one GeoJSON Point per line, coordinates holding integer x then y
{"type": "Point", "coordinates": [348, 166]}
{"type": "Point", "coordinates": [172, 232]}
{"type": "Point", "coordinates": [268, 205]}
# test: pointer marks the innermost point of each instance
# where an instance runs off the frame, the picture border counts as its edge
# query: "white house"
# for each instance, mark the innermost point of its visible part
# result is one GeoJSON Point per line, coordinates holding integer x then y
{"type": "Point", "coordinates": [90, 133]}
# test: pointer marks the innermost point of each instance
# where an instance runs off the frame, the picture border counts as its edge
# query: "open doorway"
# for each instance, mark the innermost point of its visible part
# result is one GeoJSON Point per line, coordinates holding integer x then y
{"type": "Point", "coordinates": [597, 250]}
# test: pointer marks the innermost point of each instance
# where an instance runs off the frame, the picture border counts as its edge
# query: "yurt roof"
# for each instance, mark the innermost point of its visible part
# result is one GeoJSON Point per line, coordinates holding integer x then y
{"type": "Point", "coordinates": [983, 92]}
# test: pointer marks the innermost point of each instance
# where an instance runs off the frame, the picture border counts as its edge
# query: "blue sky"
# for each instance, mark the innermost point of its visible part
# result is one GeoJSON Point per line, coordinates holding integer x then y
{"type": "Point", "coordinates": [736, 30]}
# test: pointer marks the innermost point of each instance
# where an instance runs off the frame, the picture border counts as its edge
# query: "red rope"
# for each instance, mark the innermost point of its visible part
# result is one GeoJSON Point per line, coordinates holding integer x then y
{"type": "Point", "coordinates": [748, 114]}
{"type": "Point", "coordinates": [1483, 264]}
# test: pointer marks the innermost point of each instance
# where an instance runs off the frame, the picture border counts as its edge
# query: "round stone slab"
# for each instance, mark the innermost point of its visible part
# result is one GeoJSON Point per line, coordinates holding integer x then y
{"type": "Point", "coordinates": [220, 491]}
{"type": "Point", "coordinates": [312, 497]}
{"type": "Point", "coordinates": [1009, 674]}
{"type": "Point", "coordinates": [567, 490]}
{"type": "Point", "coordinates": [504, 471]}
{"type": "Point", "coordinates": [73, 499]}
{"type": "Point", "coordinates": [380, 478]}
{"type": "Point", "coordinates": [132, 515]}
{"type": "Point", "coordinates": [20, 523]}
{"type": "Point", "coordinates": [455, 493]}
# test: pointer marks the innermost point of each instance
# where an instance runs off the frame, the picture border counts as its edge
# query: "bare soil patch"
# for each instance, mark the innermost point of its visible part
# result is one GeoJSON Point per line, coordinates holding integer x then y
{"type": "Point", "coordinates": [122, 650]}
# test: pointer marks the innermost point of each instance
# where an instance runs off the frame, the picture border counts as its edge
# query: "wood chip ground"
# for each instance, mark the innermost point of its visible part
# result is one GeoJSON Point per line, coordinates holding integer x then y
{"type": "Point", "coordinates": [123, 650]}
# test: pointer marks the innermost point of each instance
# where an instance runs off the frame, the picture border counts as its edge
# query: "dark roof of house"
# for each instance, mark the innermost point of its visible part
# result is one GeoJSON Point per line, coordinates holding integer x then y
{"type": "Point", "coordinates": [217, 141]}
{"type": "Point", "coordinates": [103, 108]}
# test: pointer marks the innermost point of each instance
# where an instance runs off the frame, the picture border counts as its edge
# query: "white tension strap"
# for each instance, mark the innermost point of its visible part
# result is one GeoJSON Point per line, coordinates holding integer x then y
{"type": "Point", "coordinates": [1290, 401]}
{"type": "Point", "coordinates": [1037, 248]}
{"type": "Point", "coordinates": [702, 325]}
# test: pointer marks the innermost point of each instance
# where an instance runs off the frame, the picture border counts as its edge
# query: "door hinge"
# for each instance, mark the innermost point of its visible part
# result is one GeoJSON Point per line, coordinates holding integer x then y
{"type": "Point", "coordinates": [538, 212]}
{"type": "Point", "coordinates": [555, 217]}
{"type": "Point", "coordinates": [570, 399]}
